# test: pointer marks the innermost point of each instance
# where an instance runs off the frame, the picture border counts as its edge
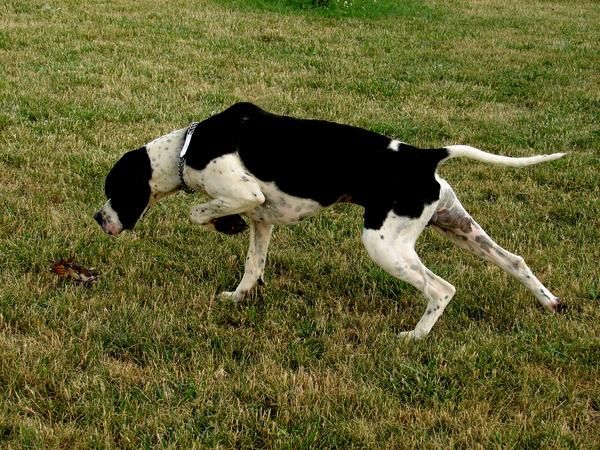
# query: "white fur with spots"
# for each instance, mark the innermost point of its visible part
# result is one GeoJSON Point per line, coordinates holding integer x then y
{"type": "Point", "coordinates": [110, 219]}
{"type": "Point", "coordinates": [454, 222]}
{"type": "Point", "coordinates": [164, 160]}
{"type": "Point", "coordinates": [392, 247]}
{"type": "Point", "coordinates": [233, 190]}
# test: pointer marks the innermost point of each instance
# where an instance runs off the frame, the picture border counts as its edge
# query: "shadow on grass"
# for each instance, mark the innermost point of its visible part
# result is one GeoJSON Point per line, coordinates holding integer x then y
{"type": "Point", "coordinates": [367, 9]}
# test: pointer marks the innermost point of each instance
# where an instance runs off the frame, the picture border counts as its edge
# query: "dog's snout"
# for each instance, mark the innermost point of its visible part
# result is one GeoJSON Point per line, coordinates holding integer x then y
{"type": "Point", "coordinates": [98, 218]}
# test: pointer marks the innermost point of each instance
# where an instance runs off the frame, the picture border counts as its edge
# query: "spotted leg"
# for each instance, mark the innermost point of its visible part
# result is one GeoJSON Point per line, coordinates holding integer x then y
{"type": "Point", "coordinates": [207, 214]}
{"type": "Point", "coordinates": [392, 248]}
{"type": "Point", "coordinates": [451, 220]}
{"type": "Point", "coordinates": [232, 188]}
{"type": "Point", "coordinates": [260, 236]}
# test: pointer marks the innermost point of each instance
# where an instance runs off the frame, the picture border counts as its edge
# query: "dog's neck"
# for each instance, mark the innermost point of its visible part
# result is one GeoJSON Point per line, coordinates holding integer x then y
{"type": "Point", "coordinates": [182, 154]}
{"type": "Point", "coordinates": [164, 160]}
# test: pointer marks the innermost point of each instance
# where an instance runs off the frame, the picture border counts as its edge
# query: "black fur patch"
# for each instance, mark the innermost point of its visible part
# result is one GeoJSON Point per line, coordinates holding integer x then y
{"type": "Point", "coordinates": [322, 161]}
{"type": "Point", "coordinates": [230, 224]}
{"type": "Point", "coordinates": [128, 186]}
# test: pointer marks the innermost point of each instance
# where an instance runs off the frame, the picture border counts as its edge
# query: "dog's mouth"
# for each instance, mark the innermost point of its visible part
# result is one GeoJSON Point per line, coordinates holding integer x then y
{"type": "Point", "coordinates": [111, 229]}
{"type": "Point", "coordinates": [107, 223]}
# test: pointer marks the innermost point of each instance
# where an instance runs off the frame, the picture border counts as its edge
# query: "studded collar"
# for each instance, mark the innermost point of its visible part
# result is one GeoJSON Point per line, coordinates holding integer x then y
{"type": "Point", "coordinates": [181, 164]}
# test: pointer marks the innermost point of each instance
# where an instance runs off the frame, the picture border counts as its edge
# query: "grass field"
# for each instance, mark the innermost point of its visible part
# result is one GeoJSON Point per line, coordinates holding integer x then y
{"type": "Point", "coordinates": [148, 357]}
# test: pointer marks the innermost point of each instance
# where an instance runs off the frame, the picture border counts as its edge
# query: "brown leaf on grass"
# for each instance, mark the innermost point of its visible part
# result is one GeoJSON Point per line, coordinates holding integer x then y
{"type": "Point", "coordinates": [68, 269]}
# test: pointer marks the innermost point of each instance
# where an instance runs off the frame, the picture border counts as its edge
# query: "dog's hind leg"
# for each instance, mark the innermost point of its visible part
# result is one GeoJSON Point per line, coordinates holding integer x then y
{"type": "Point", "coordinates": [452, 221]}
{"type": "Point", "coordinates": [260, 236]}
{"type": "Point", "coordinates": [392, 248]}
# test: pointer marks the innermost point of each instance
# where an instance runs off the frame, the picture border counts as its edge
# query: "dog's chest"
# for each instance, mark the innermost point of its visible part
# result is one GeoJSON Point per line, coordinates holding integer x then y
{"type": "Point", "coordinates": [280, 208]}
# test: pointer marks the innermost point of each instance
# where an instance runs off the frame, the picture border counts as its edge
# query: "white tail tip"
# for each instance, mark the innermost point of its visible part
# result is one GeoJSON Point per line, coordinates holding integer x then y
{"type": "Point", "coordinates": [479, 155]}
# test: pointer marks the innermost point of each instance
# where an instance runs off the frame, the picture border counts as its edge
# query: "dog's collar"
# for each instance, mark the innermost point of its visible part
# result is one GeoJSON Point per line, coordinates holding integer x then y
{"type": "Point", "coordinates": [188, 137]}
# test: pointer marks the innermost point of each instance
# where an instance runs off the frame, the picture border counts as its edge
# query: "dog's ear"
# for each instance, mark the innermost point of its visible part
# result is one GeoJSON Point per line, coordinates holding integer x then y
{"type": "Point", "coordinates": [128, 186]}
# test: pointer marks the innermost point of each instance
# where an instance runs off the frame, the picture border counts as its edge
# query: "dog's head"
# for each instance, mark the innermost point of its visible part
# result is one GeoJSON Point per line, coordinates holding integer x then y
{"type": "Point", "coordinates": [128, 192]}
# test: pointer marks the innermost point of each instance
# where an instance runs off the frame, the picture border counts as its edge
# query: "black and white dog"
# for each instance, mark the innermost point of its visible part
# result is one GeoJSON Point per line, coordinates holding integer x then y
{"type": "Point", "coordinates": [278, 170]}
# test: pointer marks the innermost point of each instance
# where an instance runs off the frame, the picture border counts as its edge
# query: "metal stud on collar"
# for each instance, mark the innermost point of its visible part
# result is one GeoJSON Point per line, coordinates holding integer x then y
{"type": "Point", "coordinates": [188, 137]}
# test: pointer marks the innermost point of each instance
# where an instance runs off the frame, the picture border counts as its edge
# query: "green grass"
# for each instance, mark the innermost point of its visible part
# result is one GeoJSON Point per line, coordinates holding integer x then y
{"type": "Point", "coordinates": [149, 358]}
{"type": "Point", "coordinates": [366, 9]}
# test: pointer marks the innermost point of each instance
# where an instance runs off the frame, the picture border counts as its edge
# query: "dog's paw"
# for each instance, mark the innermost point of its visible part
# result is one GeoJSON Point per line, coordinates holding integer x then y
{"type": "Point", "coordinates": [412, 335]}
{"type": "Point", "coordinates": [230, 224]}
{"type": "Point", "coordinates": [198, 215]}
{"type": "Point", "coordinates": [553, 304]}
{"type": "Point", "coordinates": [559, 307]}
{"type": "Point", "coordinates": [231, 295]}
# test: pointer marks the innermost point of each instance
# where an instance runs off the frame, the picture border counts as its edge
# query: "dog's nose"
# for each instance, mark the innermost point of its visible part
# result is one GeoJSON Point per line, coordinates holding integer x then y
{"type": "Point", "coordinates": [98, 218]}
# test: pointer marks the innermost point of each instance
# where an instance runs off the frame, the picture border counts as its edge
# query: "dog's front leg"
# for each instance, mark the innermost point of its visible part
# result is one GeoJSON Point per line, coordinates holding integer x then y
{"type": "Point", "coordinates": [232, 188]}
{"type": "Point", "coordinates": [207, 214]}
{"type": "Point", "coordinates": [260, 236]}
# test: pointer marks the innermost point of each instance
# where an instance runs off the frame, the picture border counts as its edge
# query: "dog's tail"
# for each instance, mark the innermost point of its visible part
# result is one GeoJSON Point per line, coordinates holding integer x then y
{"type": "Point", "coordinates": [464, 151]}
